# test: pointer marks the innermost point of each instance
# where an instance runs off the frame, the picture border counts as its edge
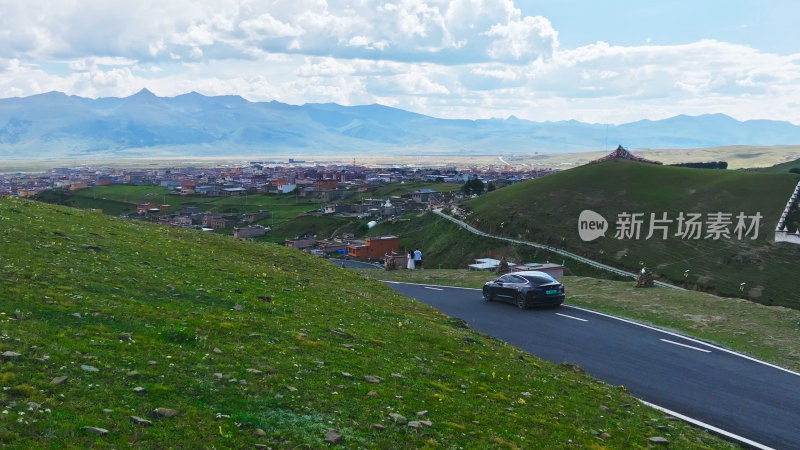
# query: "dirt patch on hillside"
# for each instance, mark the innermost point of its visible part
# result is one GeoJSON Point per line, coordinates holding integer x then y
{"type": "Point", "coordinates": [700, 321]}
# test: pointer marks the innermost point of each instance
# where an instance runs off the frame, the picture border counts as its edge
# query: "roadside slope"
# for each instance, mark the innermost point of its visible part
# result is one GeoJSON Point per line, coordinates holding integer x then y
{"type": "Point", "coordinates": [103, 320]}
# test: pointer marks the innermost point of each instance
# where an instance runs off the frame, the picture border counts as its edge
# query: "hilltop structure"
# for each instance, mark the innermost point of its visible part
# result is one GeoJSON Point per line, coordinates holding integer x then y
{"type": "Point", "coordinates": [623, 153]}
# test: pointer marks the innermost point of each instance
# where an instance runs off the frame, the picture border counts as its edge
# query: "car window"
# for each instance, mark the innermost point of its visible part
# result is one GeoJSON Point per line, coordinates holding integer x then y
{"type": "Point", "coordinates": [541, 279]}
{"type": "Point", "coordinates": [505, 279]}
{"type": "Point", "coordinates": [513, 279]}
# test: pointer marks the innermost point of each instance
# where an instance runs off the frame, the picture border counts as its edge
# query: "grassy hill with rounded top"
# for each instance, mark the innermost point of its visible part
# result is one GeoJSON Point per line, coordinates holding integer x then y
{"type": "Point", "coordinates": [547, 210]}
{"type": "Point", "coordinates": [117, 333]}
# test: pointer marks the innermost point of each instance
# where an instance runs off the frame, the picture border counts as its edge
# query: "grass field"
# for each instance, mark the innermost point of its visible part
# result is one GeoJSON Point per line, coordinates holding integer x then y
{"type": "Point", "coordinates": [546, 210]}
{"type": "Point", "coordinates": [288, 210]}
{"type": "Point", "coordinates": [771, 333]}
{"type": "Point", "coordinates": [783, 167]}
{"type": "Point", "coordinates": [119, 199]}
{"type": "Point", "coordinates": [103, 321]}
{"type": "Point", "coordinates": [398, 189]}
{"type": "Point", "coordinates": [446, 245]}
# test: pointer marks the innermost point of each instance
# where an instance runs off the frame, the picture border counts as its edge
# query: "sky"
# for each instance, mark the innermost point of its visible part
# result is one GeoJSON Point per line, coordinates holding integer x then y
{"type": "Point", "coordinates": [588, 60]}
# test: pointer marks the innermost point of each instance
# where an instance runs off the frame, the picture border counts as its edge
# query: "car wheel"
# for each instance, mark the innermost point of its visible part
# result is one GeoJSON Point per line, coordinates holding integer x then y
{"type": "Point", "coordinates": [487, 295]}
{"type": "Point", "coordinates": [522, 302]}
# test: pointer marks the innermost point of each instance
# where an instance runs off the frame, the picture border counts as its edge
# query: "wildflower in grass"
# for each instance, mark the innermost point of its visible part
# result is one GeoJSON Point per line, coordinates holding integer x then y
{"type": "Point", "coordinates": [521, 401]}
{"type": "Point", "coordinates": [493, 375]}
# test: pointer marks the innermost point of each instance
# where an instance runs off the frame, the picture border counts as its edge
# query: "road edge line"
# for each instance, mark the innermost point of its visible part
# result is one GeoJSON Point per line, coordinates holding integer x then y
{"type": "Point", "coordinates": [688, 338]}
{"type": "Point", "coordinates": [708, 427]}
{"type": "Point", "coordinates": [640, 324]}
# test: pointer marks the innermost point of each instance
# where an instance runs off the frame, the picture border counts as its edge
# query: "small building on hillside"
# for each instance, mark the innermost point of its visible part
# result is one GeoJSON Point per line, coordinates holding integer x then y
{"type": "Point", "coordinates": [234, 191]}
{"type": "Point", "coordinates": [337, 209]}
{"type": "Point", "coordinates": [188, 187]}
{"type": "Point", "coordinates": [423, 195]}
{"type": "Point", "coordinates": [142, 208]}
{"type": "Point", "coordinates": [256, 216]}
{"type": "Point", "coordinates": [554, 270]}
{"type": "Point", "coordinates": [250, 232]}
{"type": "Point", "coordinates": [300, 244]}
{"type": "Point", "coordinates": [218, 221]}
{"type": "Point", "coordinates": [488, 264]}
{"type": "Point", "coordinates": [374, 247]}
{"type": "Point", "coordinates": [327, 247]}
{"type": "Point", "coordinates": [491, 265]}
{"type": "Point", "coordinates": [327, 184]}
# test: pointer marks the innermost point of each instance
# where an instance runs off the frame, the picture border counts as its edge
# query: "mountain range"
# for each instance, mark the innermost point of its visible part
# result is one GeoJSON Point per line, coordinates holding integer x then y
{"type": "Point", "coordinates": [56, 125]}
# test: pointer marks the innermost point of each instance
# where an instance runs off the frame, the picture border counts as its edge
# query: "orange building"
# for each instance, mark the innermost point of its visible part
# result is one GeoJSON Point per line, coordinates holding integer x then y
{"type": "Point", "coordinates": [327, 184]}
{"type": "Point", "coordinates": [375, 247]}
{"type": "Point", "coordinates": [188, 187]}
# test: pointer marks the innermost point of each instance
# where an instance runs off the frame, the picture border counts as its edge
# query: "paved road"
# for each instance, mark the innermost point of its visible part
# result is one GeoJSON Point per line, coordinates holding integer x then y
{"type": "Point", "coordinates": [759, 404]}
{"type": "Point", "coordinates": [349, 263]}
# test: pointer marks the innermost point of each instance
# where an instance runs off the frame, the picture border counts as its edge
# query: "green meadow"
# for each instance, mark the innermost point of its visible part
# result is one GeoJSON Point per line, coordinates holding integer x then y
{"type": "Point", "coordinates": [546, 210]}
{"type": "Point", "coordinates": [117, 333]}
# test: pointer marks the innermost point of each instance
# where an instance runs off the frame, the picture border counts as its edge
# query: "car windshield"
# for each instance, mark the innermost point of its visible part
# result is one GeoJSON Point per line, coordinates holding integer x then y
{"type": "Point", "coordinates": [540, 279]}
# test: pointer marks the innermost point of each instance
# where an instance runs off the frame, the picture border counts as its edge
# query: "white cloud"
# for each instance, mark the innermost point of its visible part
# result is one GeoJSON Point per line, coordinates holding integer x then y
{"type": "Point", "coordinates": [417, 83]}
{"type": "Point", "coordinates": [518, 39]}
{"type": "Point", "coordinates": [266, 26]}
{"type": "Point", "coordinates": [448, 58]}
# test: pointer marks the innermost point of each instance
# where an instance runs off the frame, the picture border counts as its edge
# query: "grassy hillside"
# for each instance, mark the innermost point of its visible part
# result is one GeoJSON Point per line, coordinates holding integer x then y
{"type": "Point", "coordinates": [783, 167]}
{"type": "Point", "coordinates": [103, 321]}
{"type": "Point", "coordinates": [312, 225]}
{"type": "Point", "coordinates": [546, 210]}
{"type": "Point", "coordinates": [446, 245]}
{"type": "Point", "coordinates": [119, 199]}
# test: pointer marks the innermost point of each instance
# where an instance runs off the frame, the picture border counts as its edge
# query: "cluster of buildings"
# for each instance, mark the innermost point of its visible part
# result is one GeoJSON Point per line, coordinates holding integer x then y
{"type": "Point", "coordinates": [326, 182]}
{"type": "Point", "coordinates": [194, 217]}
{"type": "Point", "coordinates": [371, 248]}
{"type": "Point", "coordinates": [331, 185]}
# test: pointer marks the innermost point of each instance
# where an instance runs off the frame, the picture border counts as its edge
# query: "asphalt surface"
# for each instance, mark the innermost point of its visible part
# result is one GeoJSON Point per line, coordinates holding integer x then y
{"type": "Point", "coordinates": [756, 403]}
{"type": "Point", "coordinates": [352, 264]}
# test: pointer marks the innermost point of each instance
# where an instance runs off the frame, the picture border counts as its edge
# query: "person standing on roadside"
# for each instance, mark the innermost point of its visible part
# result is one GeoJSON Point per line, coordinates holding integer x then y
{"type": "Point", "coordinates": [418, 259]}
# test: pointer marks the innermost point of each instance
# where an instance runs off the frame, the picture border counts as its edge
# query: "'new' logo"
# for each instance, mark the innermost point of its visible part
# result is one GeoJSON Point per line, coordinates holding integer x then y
{"type": "Point", "coordinates": [591, 225]}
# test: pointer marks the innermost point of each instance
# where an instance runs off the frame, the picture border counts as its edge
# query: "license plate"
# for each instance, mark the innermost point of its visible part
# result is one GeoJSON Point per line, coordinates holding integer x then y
{"type": "Point", "coordinates": [552, 291]}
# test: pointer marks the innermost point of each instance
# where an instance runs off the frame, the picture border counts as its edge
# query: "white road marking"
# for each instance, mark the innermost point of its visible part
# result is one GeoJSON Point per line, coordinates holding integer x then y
{"type": "Point", "coordinates": [684, 345]}
{"type": "Point", "coordinates": [639, 324]}
{"type": "Point", "coordinates": [722, 349]}
{"type": "Point", "coordinates": [570, 317]}
{"type": "Point", "coordinates": [670, 412]}
{"type": "Point", "coordinates": [696, 422]}
{"type": "Point", "coordinates": [433, 288]}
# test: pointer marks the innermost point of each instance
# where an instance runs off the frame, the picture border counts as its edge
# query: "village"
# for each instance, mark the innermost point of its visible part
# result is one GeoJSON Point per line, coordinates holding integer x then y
{"type": "Point", "coordinates": [341, 191]}
{"type": "Point", "coordinates": [328, 182]}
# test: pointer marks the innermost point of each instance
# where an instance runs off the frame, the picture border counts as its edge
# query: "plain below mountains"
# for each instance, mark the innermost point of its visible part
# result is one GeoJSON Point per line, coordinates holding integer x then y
{"type": "Point", "coordinates": [56, 125]}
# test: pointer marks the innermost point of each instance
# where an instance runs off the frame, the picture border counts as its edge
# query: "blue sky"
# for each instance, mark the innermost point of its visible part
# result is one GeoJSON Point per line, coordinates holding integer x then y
{"type": "Point", "coordinates": [766, 25]}
{"type": "Point", "coordinates": [603, 62]}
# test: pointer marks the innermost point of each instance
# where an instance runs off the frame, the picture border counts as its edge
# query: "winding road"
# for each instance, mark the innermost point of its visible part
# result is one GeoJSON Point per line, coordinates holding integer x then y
{"type": "Point", "coordinates": [558, 251]}
{"type": "Point", "coordinates": [752, 402]}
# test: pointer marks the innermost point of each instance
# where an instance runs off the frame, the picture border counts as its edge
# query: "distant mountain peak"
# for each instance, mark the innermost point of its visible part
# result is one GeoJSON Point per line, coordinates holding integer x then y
{"type": "Point", "coordinates": [144, 92]}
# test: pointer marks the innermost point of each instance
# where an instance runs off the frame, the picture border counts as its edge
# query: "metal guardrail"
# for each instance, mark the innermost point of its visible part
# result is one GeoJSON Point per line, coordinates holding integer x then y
{"type": "Point", "coordinates": [559, 251]}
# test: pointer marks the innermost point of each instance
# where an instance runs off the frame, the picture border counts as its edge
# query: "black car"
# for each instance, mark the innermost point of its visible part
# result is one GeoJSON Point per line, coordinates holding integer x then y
{"type": "Point", "coordinates": [529, 288]}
